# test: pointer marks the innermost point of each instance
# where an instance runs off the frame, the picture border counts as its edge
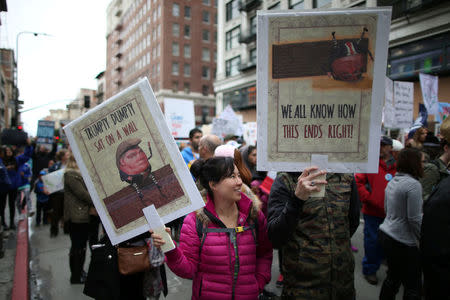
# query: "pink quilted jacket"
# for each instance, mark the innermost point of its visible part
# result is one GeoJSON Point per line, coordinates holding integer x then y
{"type": "Point", "coordinates": [212, 271]}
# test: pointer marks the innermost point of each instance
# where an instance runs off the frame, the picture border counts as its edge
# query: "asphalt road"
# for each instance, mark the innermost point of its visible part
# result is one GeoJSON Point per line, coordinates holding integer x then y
{"type": "Point", "coordinates": [49, 270]}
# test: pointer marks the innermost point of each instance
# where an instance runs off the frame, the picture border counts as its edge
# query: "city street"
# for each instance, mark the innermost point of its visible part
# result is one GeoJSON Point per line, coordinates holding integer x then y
{"type": "Point", "coordinates": [49, 270]}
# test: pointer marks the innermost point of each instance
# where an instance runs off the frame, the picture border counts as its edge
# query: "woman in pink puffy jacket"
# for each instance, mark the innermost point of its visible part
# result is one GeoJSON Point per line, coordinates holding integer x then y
{"type": "Point", "coordinates": [224, 247]}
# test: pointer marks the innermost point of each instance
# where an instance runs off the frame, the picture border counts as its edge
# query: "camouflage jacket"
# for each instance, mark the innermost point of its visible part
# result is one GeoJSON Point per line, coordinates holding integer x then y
{"type": "Point", "coordinates": [433, 173]}
{"type": "Point", "coordinates": [314, 236]}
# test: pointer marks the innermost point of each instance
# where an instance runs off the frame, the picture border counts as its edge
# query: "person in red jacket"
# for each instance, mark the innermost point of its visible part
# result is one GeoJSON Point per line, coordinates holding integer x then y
{"type": "Point", "coordinates": [371, 194]}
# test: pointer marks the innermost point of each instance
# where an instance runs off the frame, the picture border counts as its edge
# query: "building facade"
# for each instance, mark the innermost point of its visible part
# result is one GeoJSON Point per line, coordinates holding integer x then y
{"type": "Point", "coordinates": [101, 83]}
{"type": "Point", "coordinates": [171, 42]}
{"type": "Point", "coordinates": [85, 100]}
{"type": "Point", "coordinates": [236, 48]}
{"type": "Point", "coordinates": [9, 103]}
{"type": "Point", "coordinates": [419, 42]}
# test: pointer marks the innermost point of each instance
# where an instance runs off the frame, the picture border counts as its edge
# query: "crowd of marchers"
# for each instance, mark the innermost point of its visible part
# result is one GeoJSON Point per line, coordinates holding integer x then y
{"type": "Point", "coordinates": [226, 247]}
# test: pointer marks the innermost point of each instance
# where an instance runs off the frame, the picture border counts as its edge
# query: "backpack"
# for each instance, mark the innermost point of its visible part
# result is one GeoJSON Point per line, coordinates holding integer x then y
{"type": "Point", "coordinates": [202, 231]}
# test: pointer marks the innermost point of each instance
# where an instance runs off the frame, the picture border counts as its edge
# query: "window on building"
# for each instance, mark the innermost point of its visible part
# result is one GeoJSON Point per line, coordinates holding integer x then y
{"type": "Point", "coordinates": [158, 50]}
{"type": "Point", "coordinates": [205, 16]}
{"type": "Point", "coordinates": [205, 90]}
{"type": "Point", "coordinates": [296, 4]}
{"type": "Point", "coordinates": [187, 31]}
{"type": "Point", "coordinates": [253, 22]}
{"type": "Point", "coordinates": [205, 35]}
{"type": "Point", "coordinates": [231, 10]}
{"type": "Point", "coordinates": [187, 70]}
{"type": "Point", "coordinates": [215, 56]}
{"type": "Point", "coordinates": [232, 66]}
{"type": "Point", "coordinates": [187, 51]}
{"type": "Point", "coordinates": [321, 3]}
{"type": "Point", "coordinates": [215, 19]}
{"type": "Point", "coordinates": [175, 49]}
{"type": "Point", "coordinates": [275, 6]}
{"type": "Point", "coordinates": [205, 54]}
{"type": "Point", "coordinates": [158, 69]}
{"type": "Point", "coordinates": [232, 38]}
{"type": "Point", "coordinates": [175, 68]}
{"type": "Point", "coordinates": [253, 55]}
{"type": "Point", "coordinates": [215, 3]}
{"type": "Point", "coordinates": [214, 71]}
{"type": "Point", "coordinates": [206, 2]}
{"type": "Point", "coordinates": [175, 86]}
{"type": "Point", "coordinates": [87, 101]}
{"type": "Point", "coordinates": [176, 29]}
{"type": "Point", "coordinates": [205, 72]}
{"type": "Point", "coordinates": [176, 10]}
{"type": "Point", "coordinates": [187, 12]}
{"type": "Point", "coordinates": [187, 87]}
{"type": "Point", "coordinates": [215, 36]}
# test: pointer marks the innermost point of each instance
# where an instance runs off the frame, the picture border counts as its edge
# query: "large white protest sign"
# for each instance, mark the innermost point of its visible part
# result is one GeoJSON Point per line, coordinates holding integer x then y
{"type": "Point", "coordinates": [129, 161]}
{"type": "Point", "coordinates": [389, 108]}
{"type": "Point", "coordinates": [250, 133]}
{"type": "Point", "coordinates": [228, 122]}
{"type": "Point", "coordinates": [54, 181]}
{"type": "Point", "coordinates": [429, 86]}
{"type": "Point", "coordinates": [321, 78]}
{"type": "Point", "coordinates": [404, 103]}
{"type": "Point", "coordinates": [180, 116]}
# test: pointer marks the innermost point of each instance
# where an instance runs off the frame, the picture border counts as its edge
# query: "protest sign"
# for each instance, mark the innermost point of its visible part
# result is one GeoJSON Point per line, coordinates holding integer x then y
{"type": "Point", "coordinates": [45, 132]}
{"type": "Point", "coordinates": [250, 133]}
{"type": "Point", "coordinates": [228, 122]}
{"type": "Point", "coordinates": [444, 111]}
{"type": "Point", "coordinates": [404, 103]}
{"type": "Point", "coordinates": [321, 77]}
{"type": "Point", "coordinates": [54, 181]}
{"type": "Point", "coordinates": [389, 108]}
{"type": "Point", "coordinates": [180, 116]}
{"type": "Point", "coordinates": [129, 161]}
{"type": "Point", "coordinates": [429, 86]}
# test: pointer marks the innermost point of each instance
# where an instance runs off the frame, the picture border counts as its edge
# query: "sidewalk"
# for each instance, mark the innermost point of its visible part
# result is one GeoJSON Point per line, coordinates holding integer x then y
{"type": "Point", "coordinates": [7, 264]}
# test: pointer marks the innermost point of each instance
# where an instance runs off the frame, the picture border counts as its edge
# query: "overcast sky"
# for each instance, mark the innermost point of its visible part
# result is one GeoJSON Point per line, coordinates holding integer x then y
{"type": "Point", "coordinates": [53, 69]}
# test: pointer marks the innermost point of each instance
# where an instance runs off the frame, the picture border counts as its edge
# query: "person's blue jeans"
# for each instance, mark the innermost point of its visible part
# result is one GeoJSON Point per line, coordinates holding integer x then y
{"type": "Point", "coordinates": [373, 252]}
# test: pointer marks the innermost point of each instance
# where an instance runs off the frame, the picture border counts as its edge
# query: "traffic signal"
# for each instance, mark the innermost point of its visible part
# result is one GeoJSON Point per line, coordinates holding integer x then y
{"type": "Point", "coordinates": [20, 127]}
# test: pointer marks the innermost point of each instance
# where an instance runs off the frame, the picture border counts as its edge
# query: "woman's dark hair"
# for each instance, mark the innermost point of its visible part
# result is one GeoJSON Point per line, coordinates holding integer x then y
{"type": "Point", "coordinates": [12, 151]}
{"type": "Point", "coordinates": [409, 161]}
{"type": "Point", "coordinates": [250, 149]}
{"type": "Point", "coordinates": [214, 169]}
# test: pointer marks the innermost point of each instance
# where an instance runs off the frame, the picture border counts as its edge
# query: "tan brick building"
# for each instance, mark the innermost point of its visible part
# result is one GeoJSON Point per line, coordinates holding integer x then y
{"type": "Point", "coordinates": [172, 42]}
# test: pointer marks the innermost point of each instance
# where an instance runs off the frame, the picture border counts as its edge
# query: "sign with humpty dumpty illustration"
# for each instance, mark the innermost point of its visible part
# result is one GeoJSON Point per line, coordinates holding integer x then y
{"type": "Point", "coordinates": [129, 161]}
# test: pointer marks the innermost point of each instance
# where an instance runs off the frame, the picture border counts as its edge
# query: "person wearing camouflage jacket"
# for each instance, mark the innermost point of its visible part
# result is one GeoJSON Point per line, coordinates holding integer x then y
{"type": "Point", "coordinates": [314, 235]}
{"type": "Point", "coordinates": [436, 170]}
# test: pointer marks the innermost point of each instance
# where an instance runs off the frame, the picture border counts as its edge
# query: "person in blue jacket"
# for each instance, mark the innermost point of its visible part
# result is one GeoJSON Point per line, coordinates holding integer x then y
{"type": "Point", "coordinates": [12, 164]}
{"type": "Point", "coordinates": [24, 189]}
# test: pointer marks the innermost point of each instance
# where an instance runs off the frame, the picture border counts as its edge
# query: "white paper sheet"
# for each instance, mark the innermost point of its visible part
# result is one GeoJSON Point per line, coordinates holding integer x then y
{"type": "Point", "coordinates": [157, 225]}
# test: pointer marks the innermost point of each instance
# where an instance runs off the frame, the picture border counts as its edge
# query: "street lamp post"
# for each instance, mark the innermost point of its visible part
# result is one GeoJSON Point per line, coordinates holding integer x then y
{"type": "Point", "coordinates": [16, 90]}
